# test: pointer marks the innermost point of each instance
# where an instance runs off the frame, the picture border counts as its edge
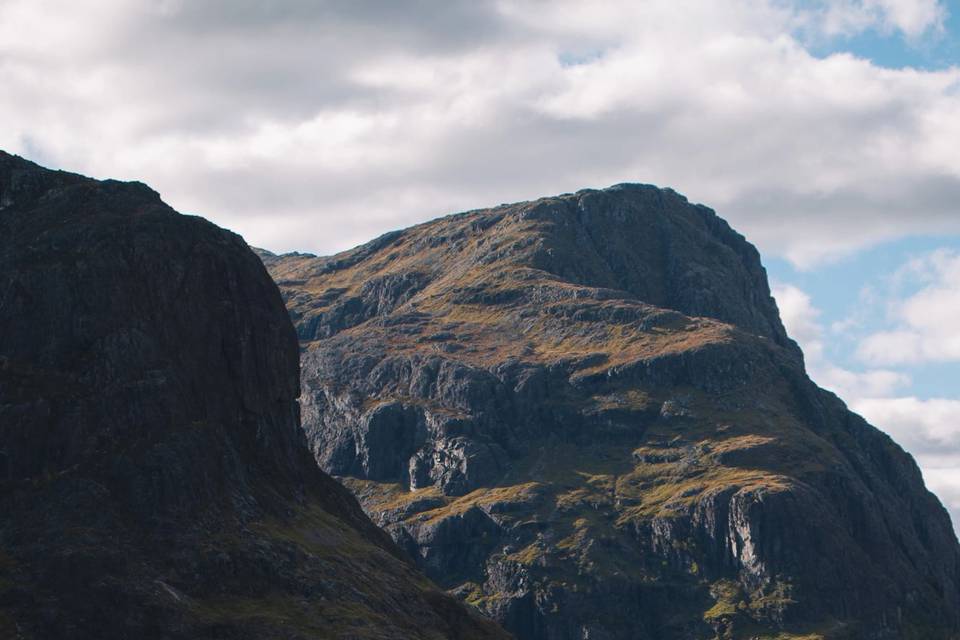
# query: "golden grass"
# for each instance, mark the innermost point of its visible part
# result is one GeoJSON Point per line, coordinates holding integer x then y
{"type": "Point", "coordinates": [523, 493]}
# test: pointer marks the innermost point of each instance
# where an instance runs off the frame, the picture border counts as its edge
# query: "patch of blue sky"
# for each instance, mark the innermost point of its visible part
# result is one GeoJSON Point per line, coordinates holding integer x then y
{"type": "Point", "coordinates": [576, 58]}
{"type": "Point", "coordinates": [935, 49]}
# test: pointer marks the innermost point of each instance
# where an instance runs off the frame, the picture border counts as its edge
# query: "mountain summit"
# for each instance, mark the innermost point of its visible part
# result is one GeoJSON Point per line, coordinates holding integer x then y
{"type": "Point", "coordinates": [154, 480]}
{"type": "Point", "coordinates": [582, 414]}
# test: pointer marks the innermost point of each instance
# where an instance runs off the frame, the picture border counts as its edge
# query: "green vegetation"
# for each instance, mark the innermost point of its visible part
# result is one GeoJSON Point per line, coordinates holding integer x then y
{"type": "Point", "coordinates": [729, 601]}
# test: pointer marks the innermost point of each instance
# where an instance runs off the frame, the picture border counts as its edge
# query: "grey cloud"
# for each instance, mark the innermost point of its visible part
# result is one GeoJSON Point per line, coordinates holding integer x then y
{"type": "Point", "coordinates": [215, 64]}
{"type": "Point", "coordinates": [851, 217]}
{"type": "Point", "coordinates": [421, 24]}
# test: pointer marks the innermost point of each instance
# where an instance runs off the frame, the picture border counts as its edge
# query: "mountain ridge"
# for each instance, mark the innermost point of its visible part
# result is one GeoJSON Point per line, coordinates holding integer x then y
{"type": "Point", "coordinates": [713, 224]}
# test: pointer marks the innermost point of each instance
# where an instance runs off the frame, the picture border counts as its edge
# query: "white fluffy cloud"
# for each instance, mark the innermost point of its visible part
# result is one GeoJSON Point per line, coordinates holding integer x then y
{"type": "Point", "coordinates": [801, 318]}
{"type": "Point", "coordinates": [945, 482]}
{"type": "Point", "coordinates": [926, 325]}
{"type": "Point", "coordinates": [928, 428]}
{"type": "Point", "coordinates": [912, 17]}
{"type": "Point", "coordinates": [317, 125]}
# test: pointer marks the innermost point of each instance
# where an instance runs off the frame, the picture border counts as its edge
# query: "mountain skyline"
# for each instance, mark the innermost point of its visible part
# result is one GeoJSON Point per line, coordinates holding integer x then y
{"type": "Point", "coordinates": [541, 319]}
{"type": "Point", "coordinates": [927, 282]}
{"type": "Point", "coordinates": [825, 130]}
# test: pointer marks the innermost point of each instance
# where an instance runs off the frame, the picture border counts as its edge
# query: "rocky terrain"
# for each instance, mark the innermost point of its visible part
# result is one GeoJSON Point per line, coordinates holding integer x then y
{"type": "Point", "coordinates": [154, 479]}
{"type": "Point", "coordinates": [583, 415]}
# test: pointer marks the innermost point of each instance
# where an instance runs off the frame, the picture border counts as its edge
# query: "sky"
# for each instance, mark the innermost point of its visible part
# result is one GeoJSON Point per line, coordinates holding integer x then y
{"type": "Point", "coordinates": [826, 131]}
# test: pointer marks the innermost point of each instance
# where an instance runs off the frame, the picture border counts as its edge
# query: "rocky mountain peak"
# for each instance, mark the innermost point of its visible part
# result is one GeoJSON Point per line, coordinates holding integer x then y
{"type": "Point", "coordinates": [655, 245]}
{"type": "Point", "coordinates": [582, 414]}
{"type": "Point", "coordinates": [630, 242]}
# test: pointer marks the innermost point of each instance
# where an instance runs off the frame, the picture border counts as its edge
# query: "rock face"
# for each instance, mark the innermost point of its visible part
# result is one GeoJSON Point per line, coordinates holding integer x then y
{"type": "Point", "coordinates": [583, 415]}
{"type": "Point", "coordinates": [154, 480]}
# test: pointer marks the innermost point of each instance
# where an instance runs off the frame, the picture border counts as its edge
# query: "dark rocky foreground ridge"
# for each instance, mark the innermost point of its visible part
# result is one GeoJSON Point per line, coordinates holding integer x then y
{"type": "Point", "coordinates": [154, 481]}
{"type": "Point", "coordinates": [583, 415]}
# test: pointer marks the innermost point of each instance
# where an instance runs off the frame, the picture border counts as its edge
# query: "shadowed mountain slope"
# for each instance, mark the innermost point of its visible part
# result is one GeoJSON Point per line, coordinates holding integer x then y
{"type": "Point", "coordinates": [583, 415]}
{"type": "Point", "coordinates": [154, 480]}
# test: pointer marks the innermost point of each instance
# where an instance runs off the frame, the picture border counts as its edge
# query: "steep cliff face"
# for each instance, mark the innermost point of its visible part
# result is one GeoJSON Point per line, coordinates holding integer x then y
{"type": "Point", "coordinates": [154, 480]}
{"type": "Point", "coordinates": [583, 415]}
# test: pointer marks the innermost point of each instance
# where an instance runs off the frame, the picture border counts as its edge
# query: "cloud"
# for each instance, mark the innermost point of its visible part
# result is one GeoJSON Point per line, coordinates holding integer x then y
{"type": "Point", "coordinates": [801, 319]}
{"type": "Point", "coordinates": [928, 428]}
{"type": "Point", "coordinates": [911, 17]}
{"type": "Point", "coordinates": [925, 322]}
{"type": "Point", "coordinates": [317, 125]}
{"type": "Point", "coordinates": [945, 482]}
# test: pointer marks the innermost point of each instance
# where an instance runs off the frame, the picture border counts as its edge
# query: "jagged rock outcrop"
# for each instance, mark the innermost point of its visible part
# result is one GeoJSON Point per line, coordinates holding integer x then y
{"type": "Point", "coordinates": [583, 415]}
{"type": "Point", "coordinates": [154, 480]}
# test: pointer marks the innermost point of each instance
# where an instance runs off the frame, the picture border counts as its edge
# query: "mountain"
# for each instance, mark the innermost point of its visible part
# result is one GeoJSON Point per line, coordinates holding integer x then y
{"type": "Point", "coordinates": [582, 414]}
{"type": "Point", "coordinates": [154, 479]}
